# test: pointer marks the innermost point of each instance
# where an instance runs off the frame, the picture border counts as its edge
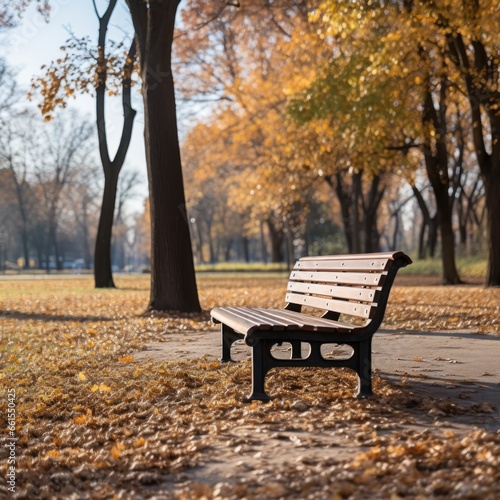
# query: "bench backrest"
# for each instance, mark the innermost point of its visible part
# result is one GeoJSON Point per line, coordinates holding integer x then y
{"type": "Point", "coordinates": [356, 285]}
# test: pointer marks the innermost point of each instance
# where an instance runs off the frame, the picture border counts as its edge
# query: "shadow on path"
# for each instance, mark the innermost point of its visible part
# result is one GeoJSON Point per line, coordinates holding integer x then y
{"type": "Point", "coordinates": [24, 316]}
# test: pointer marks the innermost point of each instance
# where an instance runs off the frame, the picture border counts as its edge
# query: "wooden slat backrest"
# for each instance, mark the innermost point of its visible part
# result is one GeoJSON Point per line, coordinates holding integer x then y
{"type": "Point", "coordinates": [348, 284]}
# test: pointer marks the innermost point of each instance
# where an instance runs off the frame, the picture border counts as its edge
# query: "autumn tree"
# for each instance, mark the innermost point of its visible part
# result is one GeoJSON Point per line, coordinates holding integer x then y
{"type": "Point", "coordinates": [242, 66]}
{"type": "Point", "coordinates": [458, 36]}
{"type": "Point", "coordinates": [472, 40]}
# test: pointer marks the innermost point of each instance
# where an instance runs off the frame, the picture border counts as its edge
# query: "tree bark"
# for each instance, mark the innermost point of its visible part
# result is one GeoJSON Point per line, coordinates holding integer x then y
{"type": "Point", "coordinates": [436, 165]}
{"type": "Point", "coordinates": [103, 275]}
{"type": "Point", "coordinates": [173, 281]}
{"type": "Point", "coordinates": [370, 212]}
{"type": "Point", "coordinates": [344, 197]}
{"type": "Point", "coordinates": [355, 225]}
{"type": "Point", "coordinates": [277, 238]}
{"type": "Point", "coordinates": [492, 189]}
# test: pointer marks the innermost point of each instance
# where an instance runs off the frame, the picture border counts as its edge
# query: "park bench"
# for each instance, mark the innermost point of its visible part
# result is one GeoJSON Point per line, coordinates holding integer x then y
{"type": "Point", "coordinates": [354, 286]}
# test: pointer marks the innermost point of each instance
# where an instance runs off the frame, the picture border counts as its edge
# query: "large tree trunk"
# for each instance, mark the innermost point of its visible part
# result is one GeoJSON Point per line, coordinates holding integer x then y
{"type": "Point", "coordinates": [173, 282]}
{"type": "Point", "coordinates": [344, 197]}
{"type": "Point", "coordinates": [492, 187]}
{"type": "Point", "coordinates": [370, 214]}
{"type": "Point", "coordinates": [436, 165]}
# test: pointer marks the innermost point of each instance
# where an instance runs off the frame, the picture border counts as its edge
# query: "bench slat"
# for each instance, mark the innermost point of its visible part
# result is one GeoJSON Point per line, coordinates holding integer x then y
{"type": "Point", "coordinates": [261, 321]}
{"type": "Point", "coordinates": [308, 322]}
{"type": "Point", "coordinates": [341, 265]}
{"type": "Point", "coordinates": [230, 316]}
{"type": "Point", "coordinates": [341, 306]}
{"type": "Point", "coordinates": [362, 279]}
{"type": "Point", "coordinates": [340, 292]}
{"type": "Point", "coordinates": [360, 256]}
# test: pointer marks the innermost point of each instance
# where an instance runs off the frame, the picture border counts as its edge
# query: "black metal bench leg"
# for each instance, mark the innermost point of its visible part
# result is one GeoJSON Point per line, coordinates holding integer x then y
{"type": "Point", "coordinates": [296, 349]}
{"type": "Point", "coordinates": [229, 337]}
{"type": "Point", "coordinates": [259, 371]}
{"type": "Point", "coordinates": [364, 369]}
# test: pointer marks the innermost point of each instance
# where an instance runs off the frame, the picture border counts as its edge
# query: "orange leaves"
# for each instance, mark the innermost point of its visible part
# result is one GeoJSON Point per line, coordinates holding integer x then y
{"type": "Point", "coordinates": [100, 388]}
{"type": "Point", "coordinates": [80, 69]}
{"type": "Point", "coordinates": [116, 450]}
{"type": "Point", "coordinates": [86, 412]}
{"type": "Point", "coordinates": [126, 359]}
{"type": "Point", "coordinates": [80, 419]}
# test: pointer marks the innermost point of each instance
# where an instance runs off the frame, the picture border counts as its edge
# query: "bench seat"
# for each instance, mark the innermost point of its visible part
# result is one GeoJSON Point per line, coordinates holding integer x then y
{"type": "Point", "coordinates": [247, 320]}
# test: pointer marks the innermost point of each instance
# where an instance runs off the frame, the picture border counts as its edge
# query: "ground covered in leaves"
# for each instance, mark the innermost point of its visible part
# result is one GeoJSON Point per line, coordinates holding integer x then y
{"type": "Point", "coordinates": [92, 423]}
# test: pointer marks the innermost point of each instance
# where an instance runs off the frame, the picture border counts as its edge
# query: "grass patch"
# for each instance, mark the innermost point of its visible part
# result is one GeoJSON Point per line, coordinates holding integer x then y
{"type": "Point", "coordinates": [468, 267]}
{"type": "Point", "coordinates": [243, 267]}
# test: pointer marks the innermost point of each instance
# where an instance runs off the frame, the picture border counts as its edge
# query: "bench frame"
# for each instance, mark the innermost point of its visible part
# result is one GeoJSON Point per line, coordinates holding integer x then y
{"type": "Point", "coordinates": [359, 338]}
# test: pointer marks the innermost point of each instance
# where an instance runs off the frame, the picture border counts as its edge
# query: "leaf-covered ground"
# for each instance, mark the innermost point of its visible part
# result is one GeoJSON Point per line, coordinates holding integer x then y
{"type": "Point", "coordinates": [92, 423]}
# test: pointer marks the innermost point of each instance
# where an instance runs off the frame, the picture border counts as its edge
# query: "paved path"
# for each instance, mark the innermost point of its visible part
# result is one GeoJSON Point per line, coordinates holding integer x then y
{"type": "Point", "coordinates": [459, 365]}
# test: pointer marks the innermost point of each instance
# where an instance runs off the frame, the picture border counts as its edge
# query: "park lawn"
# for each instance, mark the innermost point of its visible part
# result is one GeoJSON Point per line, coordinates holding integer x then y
{"type": "Point", "coordinates": [91, 422]}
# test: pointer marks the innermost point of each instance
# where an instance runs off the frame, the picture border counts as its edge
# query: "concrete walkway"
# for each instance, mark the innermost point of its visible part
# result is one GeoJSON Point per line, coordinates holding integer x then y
{"type": "Point", "coordinates": [458, 365]}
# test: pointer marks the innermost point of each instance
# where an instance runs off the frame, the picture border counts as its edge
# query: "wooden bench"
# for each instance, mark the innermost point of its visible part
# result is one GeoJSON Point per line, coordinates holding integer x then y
{"type": "Point", "coordinates": [349, 285]}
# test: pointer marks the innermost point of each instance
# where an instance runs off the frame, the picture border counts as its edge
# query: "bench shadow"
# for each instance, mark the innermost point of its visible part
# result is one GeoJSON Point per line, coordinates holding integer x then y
{"type": "Point", "coordinates": [477, 402]}
{"type": "Point", "coordinates": [24, 316]}
{"type": "Point", "coordinates": [441, 333]}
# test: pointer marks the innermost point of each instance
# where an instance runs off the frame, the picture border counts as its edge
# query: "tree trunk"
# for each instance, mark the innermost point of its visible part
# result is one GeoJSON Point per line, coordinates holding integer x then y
{"type": "Point", "coordinates": [436, 165]}
{"type": "Point", "coordinates": [103, 275]}
{"type": "Point", "coordinates": [492, 186]}
{"type": "Point", "coordinates": [356, 196]}
{"type": "Point", "coordinates": [263, 248]}
{"type": "Point", "coordinates": [55, 245]}
{"type": "Point", "coordinates": [370, 212]}
{"type": "Point", "coordinates": [173, 281]}
{"type": "Point", "coordinates": [344, 197]}
{"type": "Point", "coordinates": [227, 251]}
{"type": "Point", "coordinates": [212, 254]}
{"type": "Point", "coordinates": [277, 238]}
{"type": "Point", "coordinates": [246, 249]}
{"type": "Point", "coordinates": [87, 257]}
{"type": "Point", "coordinates": [199, 235]}
{"type": "Point", "coordinates": [450, 273]}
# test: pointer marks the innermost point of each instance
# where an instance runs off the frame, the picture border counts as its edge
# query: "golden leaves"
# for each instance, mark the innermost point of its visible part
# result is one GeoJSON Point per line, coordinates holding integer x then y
{"type": "Point", "coordinates": [85, 412]}
{"type": "Point", "coordinates": [101, 388]}
{"type": "Point", "coordinates": [126, 359]}
{"type": "Point", "coordinates": [79, 420]}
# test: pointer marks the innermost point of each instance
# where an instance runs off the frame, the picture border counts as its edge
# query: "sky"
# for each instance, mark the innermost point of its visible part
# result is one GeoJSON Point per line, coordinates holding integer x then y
{"type": "Point", "coordinates": [35, 42]}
